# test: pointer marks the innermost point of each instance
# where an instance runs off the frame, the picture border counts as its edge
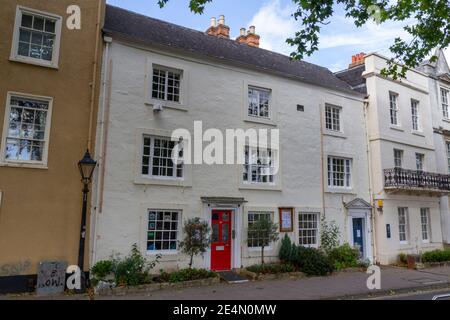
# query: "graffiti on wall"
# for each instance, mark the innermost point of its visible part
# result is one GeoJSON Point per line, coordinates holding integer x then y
{"type": "Point", "coordinates": [14, 269]}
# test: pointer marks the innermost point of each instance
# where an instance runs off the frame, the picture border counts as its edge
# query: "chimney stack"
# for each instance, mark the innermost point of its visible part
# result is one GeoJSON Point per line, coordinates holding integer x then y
{"type": "Point", "coordinates": [251, 38]}
{"type": "Point", "coordinates": [357, 59]}
{"type": "Point", "coordinates": [220, 30]}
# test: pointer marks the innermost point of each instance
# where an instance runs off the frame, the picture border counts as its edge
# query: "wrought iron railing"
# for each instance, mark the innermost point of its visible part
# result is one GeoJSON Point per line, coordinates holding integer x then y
{"type": "Point", "coordinates": [412, 179]}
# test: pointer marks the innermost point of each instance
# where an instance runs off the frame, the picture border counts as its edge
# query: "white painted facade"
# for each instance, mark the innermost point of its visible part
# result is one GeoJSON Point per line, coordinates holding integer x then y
{"type": "Point", "coordinates": [217, 94]}
{"type": "Point", "coordinates": [438, 80]}
{"type": "Point", "coordinates": [384, 137]}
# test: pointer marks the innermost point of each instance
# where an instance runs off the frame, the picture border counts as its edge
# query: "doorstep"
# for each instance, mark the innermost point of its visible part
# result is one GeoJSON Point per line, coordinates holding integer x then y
{"type": "Point", "coordinates": [232, 277]}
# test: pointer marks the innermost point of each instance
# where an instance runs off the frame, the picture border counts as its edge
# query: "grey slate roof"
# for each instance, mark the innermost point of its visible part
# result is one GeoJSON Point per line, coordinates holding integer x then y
{"type": "Point", "coordinates": [149, 31]}
{"type": "Point", "coordinates": [354, 78]}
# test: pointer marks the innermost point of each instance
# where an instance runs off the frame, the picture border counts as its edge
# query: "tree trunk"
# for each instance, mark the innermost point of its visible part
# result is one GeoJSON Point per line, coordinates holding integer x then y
{"type": "Point", "coordinates": [262, 255]}
{"type": "Point", "coordinates": [190, 262]}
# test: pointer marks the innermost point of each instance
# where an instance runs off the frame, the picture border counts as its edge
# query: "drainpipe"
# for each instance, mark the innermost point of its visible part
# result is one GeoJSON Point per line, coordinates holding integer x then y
{"type": "Point", "coordinates": [102, 125]}
{"type": "Point", "coordinates": [369, 166]}
{"type": "Point", "coordinates": [322, 175]}
{"type": "Point", "coordinates": [94, 74]}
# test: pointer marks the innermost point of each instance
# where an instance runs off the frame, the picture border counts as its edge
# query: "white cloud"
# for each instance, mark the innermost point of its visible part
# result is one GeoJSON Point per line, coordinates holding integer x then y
{"type": "Point", "coordinates": [274, 24]}
{"type": "Point", "coordinates": [370, 37]}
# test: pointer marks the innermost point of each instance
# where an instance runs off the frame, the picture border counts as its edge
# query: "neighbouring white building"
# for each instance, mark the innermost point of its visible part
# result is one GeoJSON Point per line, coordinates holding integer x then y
{"type": "Point", "coordinates": [404, 159]}
{"type": "Point", "coordinates": [439, 89]}
{"type": "Point", "coordinates": [140, 196]}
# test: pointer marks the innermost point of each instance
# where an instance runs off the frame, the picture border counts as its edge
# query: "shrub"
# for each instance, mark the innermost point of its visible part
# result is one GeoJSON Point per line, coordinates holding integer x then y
{"type": "Point", "coordinates": [190, 274]}
{"type": "Point", "coordinates": [271, 268]}
{"type": "Point", "coordinates": [313, 262]}
{"type": "Point", "coordinates": [344, 257]}
{"type": "Point", "coordinates": [285, 250]}
{"type": "Point", "coordinates": [436, 256]}
{"type": "Point", "coordinates": [329, 236]}
{"type": "Point", "coordinates": [402, 258]}
{"type": "Point", "coordinates": [196, 238]}
{"type": "Point", "coordinates": [265, 229]}
{"type": "Point", "coordinates": [102, 269]}
{"type": "Point", "coordinates": [132, 270]}
{"type": "Point", "coordinates": [293, 257]}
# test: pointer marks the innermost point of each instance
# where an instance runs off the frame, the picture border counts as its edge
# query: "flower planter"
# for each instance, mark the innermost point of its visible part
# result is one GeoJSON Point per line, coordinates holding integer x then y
{"type": "Point", "coordinates": [271, 276]}
{"type": "Point", "coordinates": [146, 288]}
{"type": "Point", "coordinates": [434, 264]}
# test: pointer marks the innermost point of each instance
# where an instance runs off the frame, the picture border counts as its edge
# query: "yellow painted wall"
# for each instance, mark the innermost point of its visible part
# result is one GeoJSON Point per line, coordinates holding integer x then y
{"type": "Point", "coordinates": [40, 210]}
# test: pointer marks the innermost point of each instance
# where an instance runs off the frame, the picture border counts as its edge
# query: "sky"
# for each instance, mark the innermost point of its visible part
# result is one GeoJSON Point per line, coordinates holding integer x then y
{"type": "Point", "coordinates": [339, 40]}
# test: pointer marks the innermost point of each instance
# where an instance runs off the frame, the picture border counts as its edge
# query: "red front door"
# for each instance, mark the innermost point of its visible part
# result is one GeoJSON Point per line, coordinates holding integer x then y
{"type": "Point", "coordinates": [221, 240]}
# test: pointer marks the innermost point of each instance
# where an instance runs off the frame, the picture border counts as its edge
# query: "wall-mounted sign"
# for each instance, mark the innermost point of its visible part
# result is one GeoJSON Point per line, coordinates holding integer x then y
{"type": "Point", "coordinates": [51, 278]}
{"type": "Point", "coordinates": [286, 219]}
{"type": "Point", "coordinates": [388, 231]}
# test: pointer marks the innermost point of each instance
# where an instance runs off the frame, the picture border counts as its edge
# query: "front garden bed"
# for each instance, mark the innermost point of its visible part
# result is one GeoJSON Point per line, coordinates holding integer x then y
{"type": "Point", "coordinates": [271, 272]}
{"type": "Point", "coordinates": [104, 289]}
{"type": "Point", "coordinates": [429, 259]}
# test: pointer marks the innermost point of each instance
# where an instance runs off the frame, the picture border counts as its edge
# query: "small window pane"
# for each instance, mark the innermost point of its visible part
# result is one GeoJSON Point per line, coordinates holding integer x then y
{"type": "Point", "coordinates": [27, 21]}
{"type": "Point", "coordinates": [38, 23]}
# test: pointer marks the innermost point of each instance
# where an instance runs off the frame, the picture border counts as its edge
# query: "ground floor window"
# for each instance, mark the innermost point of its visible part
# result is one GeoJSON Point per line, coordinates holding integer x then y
{"type": "Point", "coordinates": [255, 240]}
{"type": "Point", "coordinates": [425, 223]}
{"type": "Point", "coordinates": [162, 233]}
{"type": "Point", "coordinates": [403, 225]}
{"type": "Point", "coordinates": [308, 229]}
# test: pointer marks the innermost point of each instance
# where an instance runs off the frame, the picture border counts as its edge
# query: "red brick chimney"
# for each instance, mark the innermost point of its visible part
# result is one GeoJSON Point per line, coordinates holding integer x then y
{"type": "Point", "coordinates": [251, 38]}
{"type": "Point", "coordinates": [357, 59]}
{"type": "Point", "coordinates": [219, 30]}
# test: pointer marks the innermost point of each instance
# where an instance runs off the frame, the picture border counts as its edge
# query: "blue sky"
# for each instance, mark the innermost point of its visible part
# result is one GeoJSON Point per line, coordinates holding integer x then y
{"type": "Point", "coordinates": [339, 40]}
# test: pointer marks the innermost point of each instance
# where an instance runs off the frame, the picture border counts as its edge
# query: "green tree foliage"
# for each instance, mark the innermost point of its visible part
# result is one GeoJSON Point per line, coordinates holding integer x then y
{"type": "Point", "coordinates": [285, 250]}
{"type": "Point", "coordinates": [431, 26]}
{"type": "Point", "coordinates": [265, 230]}
{"type": "Point", "coordinates": [196, 238]}
{"type": "Point", "coordinates": [329, 236]}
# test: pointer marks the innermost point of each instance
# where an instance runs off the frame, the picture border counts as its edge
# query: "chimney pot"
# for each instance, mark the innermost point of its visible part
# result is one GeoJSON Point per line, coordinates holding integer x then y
{"type": "Point", "coordinates": [357, 59]}
{"type": "Point", "coordinates": [222, 20]}
{"type": "Point", "coordinates": [252, 30]}
{"type": "Point", "coordinates": [242, 32]}
{"type": "Point", "coordinates": [213, 22]}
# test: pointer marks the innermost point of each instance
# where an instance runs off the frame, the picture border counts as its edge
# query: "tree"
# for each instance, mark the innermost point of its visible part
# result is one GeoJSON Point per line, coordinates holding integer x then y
{"type": "Point", "coordinates": [329, 236]}
{"type": "Point", "coordinates": [196, 238]}
{"type": "Point", "coordinates": [431, 28]}
{"type": "Point", "coordinates": [286, 248]}
{"type": "Point", "coordinates": [265, 231]}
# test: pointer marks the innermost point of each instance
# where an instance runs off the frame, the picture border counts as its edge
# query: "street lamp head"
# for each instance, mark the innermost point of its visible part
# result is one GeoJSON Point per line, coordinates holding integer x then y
{"type": "Point", "coordinates": [86, 166]}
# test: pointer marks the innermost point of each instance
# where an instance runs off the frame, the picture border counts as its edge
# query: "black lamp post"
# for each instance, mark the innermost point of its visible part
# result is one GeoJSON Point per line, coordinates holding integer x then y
{"type": "Point", "coordinates": [86, 166]}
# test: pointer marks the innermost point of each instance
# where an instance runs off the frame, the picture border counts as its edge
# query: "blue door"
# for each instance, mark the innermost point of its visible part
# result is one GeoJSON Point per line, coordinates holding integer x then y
{"type": "Point", "coordinates": [358, 238]}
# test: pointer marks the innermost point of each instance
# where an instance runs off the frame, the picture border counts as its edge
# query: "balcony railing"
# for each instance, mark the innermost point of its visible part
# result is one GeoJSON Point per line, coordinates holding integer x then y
{"type": "Point", "coordinates": [399, 178]}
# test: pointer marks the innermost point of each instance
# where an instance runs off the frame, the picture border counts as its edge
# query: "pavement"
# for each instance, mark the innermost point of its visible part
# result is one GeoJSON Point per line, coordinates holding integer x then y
{"type": "Point", "coordinates": [341, 285]}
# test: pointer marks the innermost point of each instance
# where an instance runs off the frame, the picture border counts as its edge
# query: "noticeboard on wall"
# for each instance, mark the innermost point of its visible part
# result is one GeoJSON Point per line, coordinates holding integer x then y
{"type": "Point", "coordinates": [286, 219]}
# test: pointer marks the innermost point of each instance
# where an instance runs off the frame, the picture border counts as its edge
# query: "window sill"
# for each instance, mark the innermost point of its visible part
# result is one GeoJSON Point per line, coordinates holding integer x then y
{"type": "Point", "coordinates": [24, 165]}
{"type": "Point", "coordinates": [446, 120]}
{"type": "Point", "coordinates": [340, 190]}
{"type": "Point", "coordinates": [268, 187]}
{"type": "Point", "coordinates": [168, 105]}
{"type": "Point", "coordinates": [418, 133]}
{"type": "Point", "coordinates": [33, 62]}
{"type": "Point", "coordinates": [268, 122]}
{"type": "Point", "coordinates": [396, 127]}
{"type": "Point", "coordinates": [258, 249]}
{"type": "Point", "coordinates": [336, 134]}
{"type": "Point", "coordinates": [162, 252]}
{"type": "Point", "coordinates": [161, 182]}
